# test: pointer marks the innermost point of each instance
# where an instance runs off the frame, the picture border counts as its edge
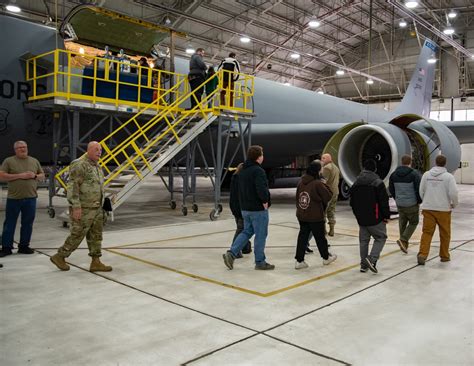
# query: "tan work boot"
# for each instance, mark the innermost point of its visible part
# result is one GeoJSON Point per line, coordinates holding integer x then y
{"type": "Point", "coordinates": [98, 266]}
{"type": "Point", "coordinates": [331, 230]}
{"type": "Point", "coordinates": [60, 262]}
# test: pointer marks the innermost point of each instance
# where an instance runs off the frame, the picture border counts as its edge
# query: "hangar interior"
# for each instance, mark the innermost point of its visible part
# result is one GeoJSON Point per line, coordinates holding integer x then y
{"type": "Point", "coordinates": [169, 299]}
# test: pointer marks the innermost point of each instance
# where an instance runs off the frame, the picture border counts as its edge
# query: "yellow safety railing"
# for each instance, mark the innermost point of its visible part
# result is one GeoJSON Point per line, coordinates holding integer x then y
{"type": "Point", "coordinates": [54, 74]}
{"type": "Point", "coordinates": [128, 154]}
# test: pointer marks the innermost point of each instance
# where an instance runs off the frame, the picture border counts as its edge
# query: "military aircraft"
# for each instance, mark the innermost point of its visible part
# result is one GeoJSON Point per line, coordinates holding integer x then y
{"type": "Point", "coordinates": [290, 122]}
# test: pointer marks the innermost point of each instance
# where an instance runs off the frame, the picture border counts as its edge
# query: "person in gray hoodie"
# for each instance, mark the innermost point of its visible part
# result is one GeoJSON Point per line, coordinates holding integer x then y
{"type": "Point", "coordinates": [439, 193]}
{"type": "Point", "coordinates": [404, 186]}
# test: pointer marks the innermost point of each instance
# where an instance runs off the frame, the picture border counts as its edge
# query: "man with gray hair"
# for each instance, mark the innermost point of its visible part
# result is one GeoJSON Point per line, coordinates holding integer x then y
{"type": "Point", "coordinates": [22, 172]}
{"type": "Point", "coordinates": [85, 194]}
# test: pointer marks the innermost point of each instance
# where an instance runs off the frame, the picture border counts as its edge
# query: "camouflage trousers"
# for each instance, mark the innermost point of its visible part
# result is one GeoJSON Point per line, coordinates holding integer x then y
{"type": "Point", "coordinates": [90, 226]}
{"type": "Point", "coordinates": [331, 210]}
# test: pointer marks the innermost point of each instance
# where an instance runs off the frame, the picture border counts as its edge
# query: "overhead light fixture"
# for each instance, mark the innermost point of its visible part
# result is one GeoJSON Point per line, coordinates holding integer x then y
{"type": "Point", "coordinates": [432, 60]}
{"type": "Point", "coordinates": [166, 20]}
{"type": "Point", "coordinates": [448, 30]}
{"type": "Point", "coordinates": [320, 91]}
{"type": "Point", "coordinates": [151, 64]}
{"type": "Point", "coordinates": [369, 81]}
{"type": "Point", "coordinates": [340, 72]}
{"type": "Point", "coordinates": [410, 4]}
{"type": "Point", "coordinates": [190, 50]}
{"type": "Point", "coordinates": [244, 39]}
{"type": "Point", "coordinates": [287, 84]}
{"type": "Point", "coordinates": [314, 23]}
{"type": "Point", "coordinates": [472, 56]}
{"type": "Point", "coordinates": [402, 24]}
{"type": "Point", "coordinates": [295, 56]}
{"type": "Point", "coordinates": [13, 8]}
{"type": "Point", "coordinates": [81, 50]}
{"type": "Point", "coordinates": [452, 14]}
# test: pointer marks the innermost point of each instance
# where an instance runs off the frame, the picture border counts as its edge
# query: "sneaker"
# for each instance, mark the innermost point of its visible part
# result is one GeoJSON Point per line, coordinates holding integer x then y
{"type": "Point", "coordinates": [309, 250]}
{"type": "Point", "coordinates": [25, 250]}
{"type": "Point", "coordinates": [264, 266]}
{"type": "Point", "coordinates": [403, 245]}
{"type": "Point", "coordinates": [301, 265]}
{"type": "Point", "coordinates": [363, 268]}
{"type": "Point", "coordinates": [4, 252]}
{"type": "Point", "coordinates": [445, 259]}
{"type": "Point", "coordinates": [371, 264]}
{"type": "Point", "coordinates": [421, 260]}
{"type": "Point", "coordinates": [247, 249]}
{"type": "Point", "coordinates": [228, 259]}
{"type": "Point", "coordinates": [331, 258]}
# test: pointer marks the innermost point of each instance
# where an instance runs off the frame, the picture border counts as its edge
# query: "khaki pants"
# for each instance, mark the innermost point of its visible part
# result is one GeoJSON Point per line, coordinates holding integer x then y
{"type": "Point", "coordinates": [90, 226]}
{"type": "Point", "coordinates": [331, 210]}
{"type": "Point", "coordinates": [430, 220]}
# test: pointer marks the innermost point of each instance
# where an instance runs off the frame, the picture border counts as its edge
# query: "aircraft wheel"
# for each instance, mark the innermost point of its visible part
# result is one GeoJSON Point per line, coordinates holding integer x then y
{"type": "Point", "coordinates": [195, 207]}
{"type": "Point", "coordinates": [184, 210]}
{"type": "Point", "coordinates": [219, 208]}
{"type": "Point", "coordinates": [214, 215]}
{"type": "Point", "coordinates": [51, 212]}
{"type": "Point", "coordinates": [173, 204]}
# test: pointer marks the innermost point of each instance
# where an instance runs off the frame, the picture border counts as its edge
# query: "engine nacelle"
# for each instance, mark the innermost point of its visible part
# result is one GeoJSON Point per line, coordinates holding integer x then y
{"type": "Point", "coordinates": [386, 142]}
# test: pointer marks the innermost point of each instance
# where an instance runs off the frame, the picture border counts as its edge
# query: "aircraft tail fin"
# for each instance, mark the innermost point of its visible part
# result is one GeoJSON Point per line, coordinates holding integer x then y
{"type": "Point", "coordinates": [419, 93]}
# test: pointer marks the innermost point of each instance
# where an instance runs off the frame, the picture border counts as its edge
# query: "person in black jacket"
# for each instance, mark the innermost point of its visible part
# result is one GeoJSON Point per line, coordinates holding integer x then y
{"type": "Point", "coordinates": [312, 198]}
{"type": "Point", "coordinates": [254, 199]}
{"type": "Point", "coordinates": [404, 186]}
{"type": "Point", "coordinates": [234, 205]}
{"type": "Point", "coordinates": [197, 76]}
{"type": "Point", "coordinates": [369, 202]}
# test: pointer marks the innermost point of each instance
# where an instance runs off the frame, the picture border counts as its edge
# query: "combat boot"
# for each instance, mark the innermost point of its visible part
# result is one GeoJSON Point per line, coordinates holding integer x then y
{"type": "Point", "coordinates": [60, 262]}
{"type": "Point", "coordinates": [331, 230]}
{"type": "Point", "coordinates": [98, 266]}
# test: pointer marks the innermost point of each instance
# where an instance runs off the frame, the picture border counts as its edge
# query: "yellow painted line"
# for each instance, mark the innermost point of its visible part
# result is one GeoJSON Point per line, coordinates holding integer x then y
{"type": "Point", "coordinates": [189, 274]}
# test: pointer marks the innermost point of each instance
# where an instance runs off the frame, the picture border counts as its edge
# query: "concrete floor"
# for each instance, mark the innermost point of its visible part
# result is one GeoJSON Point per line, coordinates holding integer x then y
{"type": "Point", "coordinates": [170, 300]}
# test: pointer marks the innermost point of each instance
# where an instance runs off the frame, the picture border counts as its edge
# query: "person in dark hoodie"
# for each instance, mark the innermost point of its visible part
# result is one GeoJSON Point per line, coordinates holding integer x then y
{"type": "Point", "coordinates": [369, 202]}
{"type": "Point", "coordinates": [404, 187]}
{"type": "Point", "coordinates": [254, 199]}
{"type": "Point", "coordinates": [312, 198]}
{"type": "Point", "coordinates": [197, 76]}
{"type": "Point", "coordinates": [234, 205]}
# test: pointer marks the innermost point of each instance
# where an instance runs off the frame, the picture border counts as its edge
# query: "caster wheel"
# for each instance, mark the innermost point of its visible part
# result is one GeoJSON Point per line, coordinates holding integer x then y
{"type": "Point", "coordinates": [51, 212]}
{"type": "Point", "coordinates": [214, 215]}
{"type": "Point", "coordinates": [219, 208]}
{"type": "Point", "coordinates": [195, 207]}
{"type": "Point", "coordinates": [172, 205]}
{"type": "Point", "coordinates": [65, 225]}
{"type": "Point", "coordinates": [184, 210]}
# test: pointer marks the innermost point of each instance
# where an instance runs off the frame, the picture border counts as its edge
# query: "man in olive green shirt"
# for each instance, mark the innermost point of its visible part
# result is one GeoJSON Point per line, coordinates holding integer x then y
{"type": "Point", "coordinates": [331, 174]}
{"type": "Point", "coordinates": [22, 172]}
{"type": "Point", "coordinates": [85, 194]}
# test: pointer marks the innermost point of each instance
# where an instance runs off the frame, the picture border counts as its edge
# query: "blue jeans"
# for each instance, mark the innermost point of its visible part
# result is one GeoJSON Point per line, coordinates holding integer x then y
{"type": "Point", "coordinates": [27, 208]}
{"type": "Point", "coordinates": [255, 222]}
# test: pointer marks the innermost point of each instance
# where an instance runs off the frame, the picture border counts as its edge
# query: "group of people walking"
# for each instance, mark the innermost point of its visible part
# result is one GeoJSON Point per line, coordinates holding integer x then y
{"type": "Point", "coordinates": [316, 196]}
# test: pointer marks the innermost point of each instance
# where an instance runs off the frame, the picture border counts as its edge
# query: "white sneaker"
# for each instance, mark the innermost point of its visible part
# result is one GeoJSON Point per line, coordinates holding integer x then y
{"type": "Point", "coordinates": [301, 265]}
{"type": "Point", "coordinates": [331, 258]}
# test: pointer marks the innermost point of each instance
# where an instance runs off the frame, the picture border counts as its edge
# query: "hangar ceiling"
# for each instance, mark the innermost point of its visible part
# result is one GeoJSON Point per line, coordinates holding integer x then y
{"type": "Point", "coordinates": [362, 37]}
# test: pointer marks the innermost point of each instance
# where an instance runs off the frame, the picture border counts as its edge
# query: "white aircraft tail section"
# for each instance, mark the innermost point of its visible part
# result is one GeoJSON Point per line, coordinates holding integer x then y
{"type": "Point", "coordinates": [417, 99]}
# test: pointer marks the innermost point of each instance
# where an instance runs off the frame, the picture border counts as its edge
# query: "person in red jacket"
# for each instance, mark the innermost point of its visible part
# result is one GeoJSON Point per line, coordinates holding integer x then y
{"type": "Point", "coordinates": [312, 198]}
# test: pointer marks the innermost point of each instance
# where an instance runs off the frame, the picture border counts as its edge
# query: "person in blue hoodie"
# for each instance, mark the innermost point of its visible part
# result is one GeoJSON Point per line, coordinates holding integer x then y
{"type": "Point", "coordinates": [254, 199]}
{"type": "Point", "coordinates": [369, 202]}
{"type": "Point", "coordinates": [404, 186]}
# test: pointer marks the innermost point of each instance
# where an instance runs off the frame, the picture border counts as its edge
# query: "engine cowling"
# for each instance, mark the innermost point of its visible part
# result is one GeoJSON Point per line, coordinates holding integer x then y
{"type": "Point", "coordinates": [386, 142]}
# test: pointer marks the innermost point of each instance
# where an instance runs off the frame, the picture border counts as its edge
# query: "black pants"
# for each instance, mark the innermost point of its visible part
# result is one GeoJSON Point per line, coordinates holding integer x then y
{"type": "Point", "coordinates": [194, 82]}
{"type": "Point", "coordinates": [317, 228]}
{"type": "Point", "coordinates": [239, 221]}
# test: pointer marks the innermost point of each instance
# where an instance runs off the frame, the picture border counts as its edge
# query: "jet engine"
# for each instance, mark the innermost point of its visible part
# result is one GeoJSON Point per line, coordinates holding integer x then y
{"type": "Point", "coordinates": [385, 143]}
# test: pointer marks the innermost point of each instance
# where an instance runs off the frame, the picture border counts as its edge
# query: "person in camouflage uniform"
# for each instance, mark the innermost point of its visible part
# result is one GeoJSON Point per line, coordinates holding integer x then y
{"type": "Point", "coordinates": [85, 194]}
{"type": "Point", "coordinates": [331, 174]}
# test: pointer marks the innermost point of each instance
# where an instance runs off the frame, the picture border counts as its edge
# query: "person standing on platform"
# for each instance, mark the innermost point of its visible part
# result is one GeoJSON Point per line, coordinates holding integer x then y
{"type": "Point", "coordinates": [331, 174]}
{"type": "Point", "coordinates": [22, 172]}
{"type": "Point", "coordinates": [254, 197]}
{"type": "Point", "coordinates": [85, 194]}
{"type": "Point", "coordinates": [312, 197]}
{"type": "Point", "coordinates": [404, 186]}
{"type": "Point", "coordinates": [369, 202]}
{"type": "Point", "coordinates": [236, 211]}
{"type": "Point", "coordinates": [439, 193]}
{"type": "Point", "coordinates": [197, 76]}
{"type": "Point", "coordinates": [211, 84]}
{"type": "Point", "coordinates": [231, 70]}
